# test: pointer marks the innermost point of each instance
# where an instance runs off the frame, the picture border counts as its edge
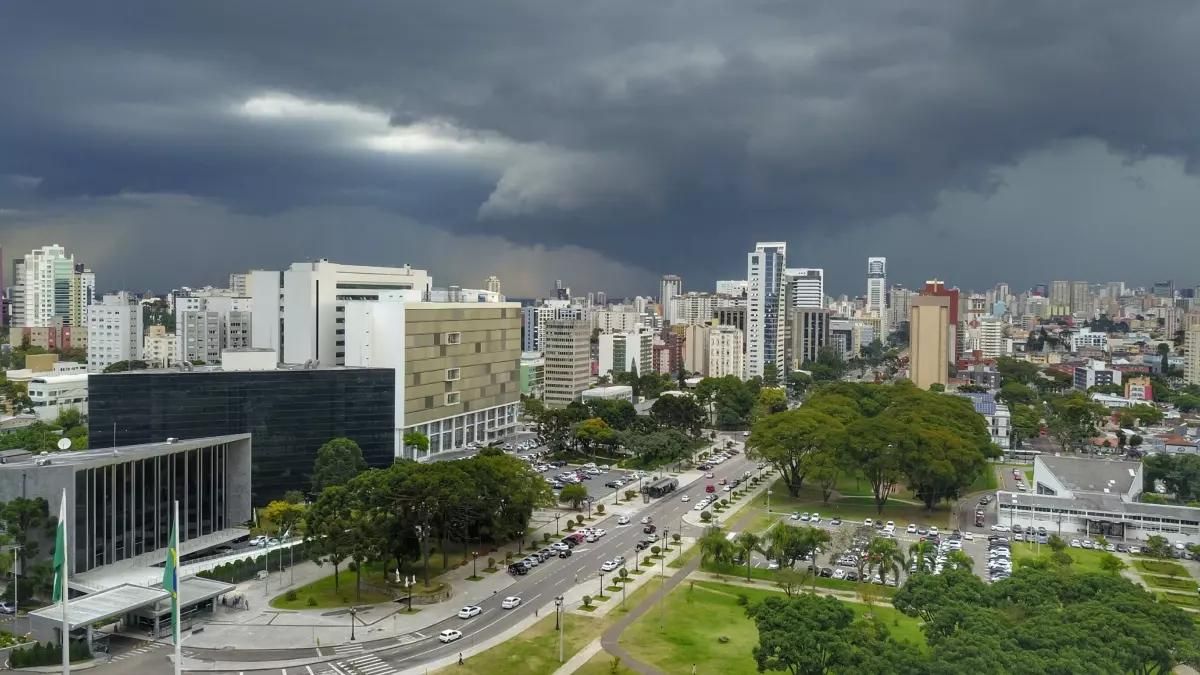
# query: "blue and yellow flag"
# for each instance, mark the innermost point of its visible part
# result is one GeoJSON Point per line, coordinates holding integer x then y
{"type": "Point", "coordinates": [171, 578]}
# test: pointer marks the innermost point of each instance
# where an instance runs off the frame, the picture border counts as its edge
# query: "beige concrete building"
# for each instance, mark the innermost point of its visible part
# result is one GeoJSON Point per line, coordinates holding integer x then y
{"type": "Point", "coordinates": [725, 352]}
{"type": "Point", "coordinates": [158, 348]}
{"type": "Point", "coordinates": [457, 366]}
{"type": "Point", "coordinates": [1191, 363]}
{"type": "Point", "coordinates": [809, 330]}
{"type": "Point", "coordinates": [568, 361]}
{"type": "Point", "coordinates": [929, 340]}
{"type": "Point", "coordinates": [695, 348]}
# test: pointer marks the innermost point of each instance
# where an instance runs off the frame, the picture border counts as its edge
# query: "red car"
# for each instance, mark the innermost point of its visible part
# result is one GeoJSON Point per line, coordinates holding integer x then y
{"type": "Point", "coordinates": [710, 488]}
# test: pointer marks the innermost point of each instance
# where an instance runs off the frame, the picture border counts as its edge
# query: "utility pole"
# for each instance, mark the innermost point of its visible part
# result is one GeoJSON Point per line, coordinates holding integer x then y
{"type": "Point", "coordinates": [558, 607]}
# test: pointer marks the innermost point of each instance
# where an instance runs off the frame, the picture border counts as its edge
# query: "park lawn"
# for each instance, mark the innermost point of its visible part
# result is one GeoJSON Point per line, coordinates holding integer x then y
{"type": "Point", "coordinates": [688, 627]}
{"type": "Point", "coordinates": [852, 508]}
{"type": "Point", "coordinates": [1085, 560]}
{"type": "Point", "coordinates": [1181, 599]}
{"type": "Point", "coordinates": [1160, 567]}
{"type": "Point", "coordinates": [602, 664]}
{"type": "Point", "coordinates": [322, 590]}
{"type": "Point", "coordinates": [1173, 583]}
{"type": "Point", "coordinates": [986, 481]}
{"type": "Point", "coordinates": [690, 552]}
{"type": "Point", "coordinates": [535, 650]}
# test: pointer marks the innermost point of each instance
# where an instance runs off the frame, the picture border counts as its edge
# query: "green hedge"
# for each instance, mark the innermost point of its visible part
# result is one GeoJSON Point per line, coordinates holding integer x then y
{"type": "Point", "coordinates": [47, 654]}
{"type": "Point", "coordinates": [245, 569]}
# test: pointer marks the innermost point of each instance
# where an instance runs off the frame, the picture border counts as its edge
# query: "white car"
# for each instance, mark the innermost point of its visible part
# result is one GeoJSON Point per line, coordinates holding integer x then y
{"type": "Point", "coordinates": [510, 602]}
{"type": "Point", "coordinates": [968, 536]}
{"type": "Point", "coordinates": [685, 498]}
{"type": "Point", "coordinates": [623, 520]}
{"type": "Point", "coordinates": [646, 520]}
{"type": "Point", "coordinates": [260, 540]}
{"type": "Point", "coordinates": [700, 506]}
{"type": "Point", "coordinates": [933, 531]}
{"type": "Point", "coordinates": [814, 518]}
{"type": "Point", "coordinates": [599, 532]}
{"type": "Point", "coordinates": [608, 566]}
{"type": "Point", "coordinates": [911, 529]}
{"type": "Point", "coordinates": [591, 538]}
{"type": "Point", "coordinates": [469, 611]}
{"type": "Point", "coordinates": [868, 522]}
{"type": "Point", "coordinates": [449, 635]}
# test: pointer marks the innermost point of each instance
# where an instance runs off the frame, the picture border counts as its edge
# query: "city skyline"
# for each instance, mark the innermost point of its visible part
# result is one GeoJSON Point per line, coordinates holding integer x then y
{"type": "Point", "coordinates": [600, 153]}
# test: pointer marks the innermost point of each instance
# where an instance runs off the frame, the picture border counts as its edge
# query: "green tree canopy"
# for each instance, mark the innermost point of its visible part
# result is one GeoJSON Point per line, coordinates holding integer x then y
{"type": "Point", "coordinates": [337, 462]}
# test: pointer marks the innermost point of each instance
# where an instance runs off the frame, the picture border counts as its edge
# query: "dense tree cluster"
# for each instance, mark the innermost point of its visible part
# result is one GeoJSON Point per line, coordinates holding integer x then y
{"type": "Point", "coordinates": [1047, 618]}
{"type": "Point", "coordinates": [936, 444]}
{"type": "Point", "coordinates": [1180, 473]}
{"type": "Point", "coordinates": [395, 515]}
{"type": "Point", "coordinates": [731, 400]}
{"type": "Point", "coordinates": [668, 434]}
{"type": "Point", "coordinates": [41, 436]}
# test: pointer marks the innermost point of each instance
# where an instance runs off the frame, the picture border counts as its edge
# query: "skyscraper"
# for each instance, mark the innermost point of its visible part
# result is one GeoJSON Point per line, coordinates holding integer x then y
{"type": "Point", "coordinates": [877, 293]}
{"type": "Point", "coordinates": [493, 284]}
{"type": "Point", "coordinates": [765, 330]}
{"type": "Point", "coordinates": [1060, 297]}
{"type": "Point", "coordinates": [805, 287]}
{"type": "Point", "coordinates": [1081, 299]}
{"type": "Point", "coordinates": [114, 331]}
{"type": "Point", "coordinates": [568, 360]}
{"type": "Point", "coordinates": [47, 286]}
{"type": "Point", "coordinates": [929, 340]}
{"type": "Point", "coordinates": [670, 287]}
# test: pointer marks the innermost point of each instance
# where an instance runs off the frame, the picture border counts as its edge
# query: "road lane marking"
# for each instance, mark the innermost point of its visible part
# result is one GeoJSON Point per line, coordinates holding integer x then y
{"type": "Point", "coordinates": [309, 669]}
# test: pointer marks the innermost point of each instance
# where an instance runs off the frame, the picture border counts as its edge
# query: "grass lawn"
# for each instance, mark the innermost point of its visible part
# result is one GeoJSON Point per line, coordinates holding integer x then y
{"type": "Point", "coordinates": [851, 508]}
{"type": "Point", "coordinates": [1181, 599]}
{"type": "Point", "coordinates": [1160, 567]}
{"type": "Point", "coordinates": [686, 557]}
{"type": "Point", "coordinates": [535, 651]}
{"type": "Point", "coordinates": [1085, 560]}
{"type": "Point", "coordinates": [1173, 583]}
{"type": "Point", "coordinates": [687, 628]}
{"type": "Point", "coordinates": [986, 481]}
{"type": "Point", "coordinates": [602, 664]}
{"type": "Point", "coordinates": [322, 590]}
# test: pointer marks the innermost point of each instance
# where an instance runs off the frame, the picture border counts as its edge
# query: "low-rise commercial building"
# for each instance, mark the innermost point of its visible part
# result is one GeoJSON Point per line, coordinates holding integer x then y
{"type": "Point", "coordinates": [533, 375]}
{"type": "Point", "coordinates": [616, 392]}
{"type": "Point", "coordinates": [52, 394]}
{"type": "Point", "coordinates": [1080, 497]}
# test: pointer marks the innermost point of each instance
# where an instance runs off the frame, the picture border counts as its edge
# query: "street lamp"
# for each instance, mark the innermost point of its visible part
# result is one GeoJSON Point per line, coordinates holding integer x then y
{"type": "Point", "coordinates": [663, 560]}
{"type": "Point", "coordinates": [556, 517]}
{"type": "Point", "coordinates": [409, 582]}
{"type": "Point", "coordinates": [768, 500]}
{"type": "Point", "coordinates": [521, 534]}
{"type": "Point", "coordinates": [602, 584]}
{"type": "Point", "coordinates": [353, 611]}
{"type": "Point", "coordinates": [558, 625]}
{"type": "Point", "coordinates": [474, 561]}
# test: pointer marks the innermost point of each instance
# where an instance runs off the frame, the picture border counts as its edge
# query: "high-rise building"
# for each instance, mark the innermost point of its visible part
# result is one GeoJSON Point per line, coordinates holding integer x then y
{"type": "Point", "coordinates": [695, 348]}
{"type": "Point", "coordinates": [766, 333]}
{"type": "Point", "coordinates": [621, 352]}
{"type": "Point", "coordinates": [929, 340]}
{"type": "Point", "coordinates": [492, 284]}
{"type": "Point", "coordinates": [936, 288]}
{"type": "Point", "coordinates": [693, 307]}
{"type": "Point", "coordinates": [877, 301]}
{"type": "Point", "coordinates": [209, 321]}
{"type": "Point", "coordinates": [158, 347]}
{"type": "Point", "coordinates": [809, 332]}
{"type": "Point", "coordinates": [733, 287]}
{"type": "Point", "coordinates": [114, 331]}
{"type": "Point", "coordinates": [898, 312]}
{"type": "Point", "coordinates": [725, 352]}
{"type": "Point", "coordinates": [534, 320]}
{"type": "Point", "coordinates": [311, 299]}
{"type": "Point", "coordinates": [601, 299]}
{"type": "Point", "coordinates": [1081, 299]}
{"type": "Point", "coordinates": [1060, 297]}
{"type": "Point", "coordinates": [670, 287]}
{"type": "Point", "coordinates": [805, 287]}
{"type": "Point", "coordinates": [568, 360]}
{"type": "Point", "coordinates": [239, 284]}
{"type": "Point", "coordinates": [561, 292]}
{"type": "Point", "coordinates": [991, 337]}
{"type": "Point", "coordinates": [47, 286]}
{"type": "Point", "coordinates": [457, 366]}
{"type": "Point", "coordinates": [1191, 347]}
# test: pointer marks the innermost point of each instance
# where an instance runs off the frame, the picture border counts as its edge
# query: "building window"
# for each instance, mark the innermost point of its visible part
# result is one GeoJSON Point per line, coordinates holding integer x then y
{"type": "Point", "coordinates": [452, 374]}
{"type": "Point", "coordinates": [453, 338]}
{"type": "Point", "coordinates": [453, 397]}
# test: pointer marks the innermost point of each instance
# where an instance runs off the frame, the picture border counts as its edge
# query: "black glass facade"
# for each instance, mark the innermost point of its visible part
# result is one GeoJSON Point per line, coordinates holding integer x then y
{"type": "Point", "coordinates": [124, 509]}
{"type": "Point", "coordinates": [289, 414]}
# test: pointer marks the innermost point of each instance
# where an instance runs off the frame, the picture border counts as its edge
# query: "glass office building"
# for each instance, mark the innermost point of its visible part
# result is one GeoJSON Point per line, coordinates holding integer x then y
{"type": "Point", "coordinates": [288, 413]}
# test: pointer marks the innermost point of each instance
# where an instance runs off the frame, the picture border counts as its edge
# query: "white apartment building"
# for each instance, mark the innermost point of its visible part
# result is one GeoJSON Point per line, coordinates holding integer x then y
{"type": "Point", "coordinates": [535, 318]}
{"type": "Point", "coordinates": [670, 287]}
{"type": "Point", "coordinates": [311, 299]}
{"type": "Point", "coordinates": [877, 292]}
{"type": "Point", "coordinates": [765, 316]}
{"type": "Point", "coordinates": [158, 347]}
{"type": "Point", "coordinates": [51, 394]}
{"type": "Point", "coordinates": [624, 352]}
{"type": "Point", "coordinates": [691, 308]}
{"type": "Point", "coordinates": [48, 285]}
{"type": "Point", "coordinates": [695, 348]}
{"type": "Point", "coordinates": [114, 331]}
{"type": "Point", "coordinates": [457, 366]}
{"type": "Point", "coordinates": [568, 361]}
{"type": "Point", "coordinates": [991, 337]}
{"type": "Point", "coordinates": [1086, 338]}
{"type": "Point", "coordinates": [734, 287]}
{"type": "Point", "coordinates": [725, 352]}
{"type": "Point", "coordinates": [209, 321]}
{"type": "Point", "coordinates": [492, 284]}
{"type": "Point", "coordinates": [898, 311]}
{"type": "Point", "coordinates": [805, 287]}
{"type": "Point", "coordinates": [616, 321]}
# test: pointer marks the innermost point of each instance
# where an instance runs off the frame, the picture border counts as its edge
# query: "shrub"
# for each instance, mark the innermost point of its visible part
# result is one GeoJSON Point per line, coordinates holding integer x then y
{"type": "Point", "coordinates": [655, 550]}
{"type": "Point", "coordinates": [647, 561]}
{"type": "Point", "coordinates": [311, 602]}
{"type": "Point", "coordinates": [491, 563]}
{"type": "Point", "coordinates": [742, 600]}
{"type": "Point", "coordinates": [705, 516]}
{"type": "Point", "coordinates": [587, 601]}
{"type": "Point", "coordinates": [630, 494]}
{"type": "Point", "coordinates": [545, 537]}
{"type": "Point", "coordinates": [290, 596]}
{"type": "Point", "coordinates": [676, 537]}
{"type": "Point", "coordinates": [600, 509]}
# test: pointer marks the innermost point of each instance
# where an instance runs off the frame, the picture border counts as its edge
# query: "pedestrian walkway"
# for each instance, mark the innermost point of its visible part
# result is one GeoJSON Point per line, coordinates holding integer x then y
{"type": "Point", "coordinates": [368, 664]}
{"type": "Point", "coordinates": [138, 651]}
{"type": "Point", "coordinates": [581, 657]}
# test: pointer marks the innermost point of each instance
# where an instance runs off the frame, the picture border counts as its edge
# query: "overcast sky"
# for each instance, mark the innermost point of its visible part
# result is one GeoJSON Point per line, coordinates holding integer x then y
{"type": "Point", "coordinates": [605, 143]}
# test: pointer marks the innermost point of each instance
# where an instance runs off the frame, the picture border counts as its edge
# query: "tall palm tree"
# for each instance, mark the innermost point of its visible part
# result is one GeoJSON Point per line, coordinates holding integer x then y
{"type": "Point", "coordinates": [960, 560]}
{"type": "Point", "coordinates": [885, 557]}
{"type": "Point", "coordinates": [779, 542]}
{"type": "Point", "coordinates": [747, 543]}
{"type": "Point", "coordinates": [714, 547]}
{"type": "Point", "coordinates": [918, 557]}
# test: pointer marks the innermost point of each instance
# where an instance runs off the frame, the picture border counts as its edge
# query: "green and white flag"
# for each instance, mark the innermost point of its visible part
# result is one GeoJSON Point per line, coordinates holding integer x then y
{"type": "Point", "coordinates": [60, 552]}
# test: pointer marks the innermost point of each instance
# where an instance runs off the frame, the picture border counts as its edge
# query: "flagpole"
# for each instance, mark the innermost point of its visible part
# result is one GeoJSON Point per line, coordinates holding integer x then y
{"type": "Point", "coordinates": [66, 626]}
{"type": "Point", "coordinates": [175, 600]}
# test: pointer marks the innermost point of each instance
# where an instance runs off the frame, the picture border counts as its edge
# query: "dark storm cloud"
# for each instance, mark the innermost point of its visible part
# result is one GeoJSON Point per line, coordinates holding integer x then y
{"type": "Point", "coordinates": [669, 134]}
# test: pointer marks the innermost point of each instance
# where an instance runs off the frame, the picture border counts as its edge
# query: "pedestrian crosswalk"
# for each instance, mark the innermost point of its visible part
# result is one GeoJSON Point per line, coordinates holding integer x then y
{"type": "Point", "coordinates": [368, 664]}
{"type": "Point", "coordinates": [137, 651]}
{"type": "Point", "coordinates": [348, 648]}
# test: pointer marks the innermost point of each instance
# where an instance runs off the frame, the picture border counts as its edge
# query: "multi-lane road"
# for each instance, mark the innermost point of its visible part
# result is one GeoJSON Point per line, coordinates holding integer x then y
{"type": "Point", "coordinates": [537, 589]}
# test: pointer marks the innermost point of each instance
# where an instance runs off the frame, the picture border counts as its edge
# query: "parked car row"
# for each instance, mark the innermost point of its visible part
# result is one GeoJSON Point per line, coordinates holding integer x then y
{"type": "Point", "coordinates": [560, 549]}
{"type": "Point", "coordinates": [999, 558]}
